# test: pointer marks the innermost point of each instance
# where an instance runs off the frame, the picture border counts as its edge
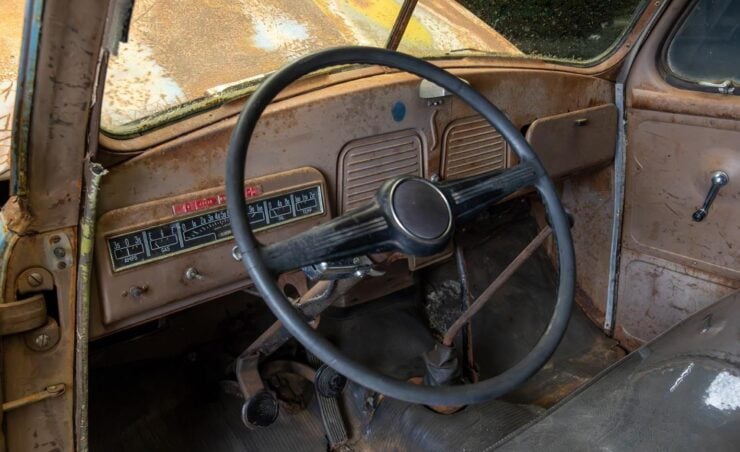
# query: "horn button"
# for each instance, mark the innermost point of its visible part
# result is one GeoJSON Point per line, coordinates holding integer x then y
{"type": "Point", "coordinates": [421, 209]}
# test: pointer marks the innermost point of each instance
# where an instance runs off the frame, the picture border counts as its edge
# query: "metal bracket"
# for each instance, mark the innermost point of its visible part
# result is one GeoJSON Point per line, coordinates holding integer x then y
{"type": "Point", "coordinates": [48, 393]}
{"type": "Point", "coordinates": [355, 267]}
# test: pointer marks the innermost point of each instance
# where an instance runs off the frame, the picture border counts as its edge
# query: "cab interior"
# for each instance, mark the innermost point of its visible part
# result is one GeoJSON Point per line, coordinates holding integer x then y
{"type": "Point", "coordinates": [173, 310]}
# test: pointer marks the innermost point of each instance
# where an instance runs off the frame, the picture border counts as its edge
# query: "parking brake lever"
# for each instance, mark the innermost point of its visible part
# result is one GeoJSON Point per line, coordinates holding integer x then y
{"type": "Point", "coordinates": [719, 180]}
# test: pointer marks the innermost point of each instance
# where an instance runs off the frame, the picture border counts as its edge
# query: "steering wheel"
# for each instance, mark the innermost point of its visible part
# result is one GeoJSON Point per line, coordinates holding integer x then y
{"type": "Point", "coordinates": [409, 214]}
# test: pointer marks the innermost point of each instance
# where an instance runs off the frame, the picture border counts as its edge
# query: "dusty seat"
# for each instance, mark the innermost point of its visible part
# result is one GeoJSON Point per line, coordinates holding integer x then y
{"type": "Point", "coordinates": [679, 392]}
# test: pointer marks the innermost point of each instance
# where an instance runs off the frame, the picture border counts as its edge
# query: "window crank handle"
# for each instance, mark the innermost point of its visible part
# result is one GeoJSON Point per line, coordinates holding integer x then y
{"type": "Point", "coordinates": [719, 180]}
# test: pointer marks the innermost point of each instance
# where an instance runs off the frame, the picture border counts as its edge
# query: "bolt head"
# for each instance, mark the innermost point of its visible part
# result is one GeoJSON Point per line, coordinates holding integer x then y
{"type": "Point", "coordinates": [59, 252]}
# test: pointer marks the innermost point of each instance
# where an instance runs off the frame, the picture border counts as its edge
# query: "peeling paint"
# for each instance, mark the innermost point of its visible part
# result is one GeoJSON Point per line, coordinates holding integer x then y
{"type": "Point", "coordinates": [724, 392]}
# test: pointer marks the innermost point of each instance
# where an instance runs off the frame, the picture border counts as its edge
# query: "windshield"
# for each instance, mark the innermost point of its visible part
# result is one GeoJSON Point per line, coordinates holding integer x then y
{"type": "Point", "coordinates": [182, 57]}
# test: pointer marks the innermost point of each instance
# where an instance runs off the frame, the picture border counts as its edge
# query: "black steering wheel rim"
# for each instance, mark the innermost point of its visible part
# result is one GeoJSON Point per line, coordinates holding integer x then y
{"type": "Point", "coordinates": [292, 320]}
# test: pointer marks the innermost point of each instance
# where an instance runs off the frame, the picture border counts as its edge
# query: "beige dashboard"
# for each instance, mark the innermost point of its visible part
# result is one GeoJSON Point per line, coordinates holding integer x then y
{"type": "Point", "coordinates": [345, 139]}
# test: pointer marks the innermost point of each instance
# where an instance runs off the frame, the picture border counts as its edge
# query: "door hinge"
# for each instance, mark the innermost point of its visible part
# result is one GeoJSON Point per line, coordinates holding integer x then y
{"type": "Point", "coordinates": [23, 315]}
{"type": "Point", "coordinates": [48, 393]}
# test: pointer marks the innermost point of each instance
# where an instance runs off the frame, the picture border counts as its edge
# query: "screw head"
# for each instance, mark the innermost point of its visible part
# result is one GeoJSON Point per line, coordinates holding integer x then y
{"type": "Point", "coordinates": [42, 340]}
{"type": "Point", "coordinates": [35, 279]}
{"type": "Point", "coordinates": [59, 252]}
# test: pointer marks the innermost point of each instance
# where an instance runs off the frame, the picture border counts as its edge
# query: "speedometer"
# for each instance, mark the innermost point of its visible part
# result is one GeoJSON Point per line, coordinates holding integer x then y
{"type": "Point", "coordinates": [139, 247]}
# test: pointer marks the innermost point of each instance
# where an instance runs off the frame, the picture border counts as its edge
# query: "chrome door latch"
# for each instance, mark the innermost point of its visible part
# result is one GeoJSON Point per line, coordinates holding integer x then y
{"type": "Point", "coordinates": [719, 180]}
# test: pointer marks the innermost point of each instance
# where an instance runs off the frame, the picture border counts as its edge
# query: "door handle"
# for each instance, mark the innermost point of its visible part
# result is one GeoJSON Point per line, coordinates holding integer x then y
{"type": "Point", "coordinates": [719, 180]}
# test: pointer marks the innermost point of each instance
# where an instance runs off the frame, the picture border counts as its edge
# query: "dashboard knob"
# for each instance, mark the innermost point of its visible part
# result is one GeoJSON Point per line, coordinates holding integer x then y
{"type": "Point", "coordinates": [192, 274]}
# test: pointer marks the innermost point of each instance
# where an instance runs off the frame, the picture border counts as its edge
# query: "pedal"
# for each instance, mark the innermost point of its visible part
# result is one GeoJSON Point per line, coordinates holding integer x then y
{"type": "Point", "coordinates": [261, 410]}
{"type": "Point", "coordinates": [329, 385]}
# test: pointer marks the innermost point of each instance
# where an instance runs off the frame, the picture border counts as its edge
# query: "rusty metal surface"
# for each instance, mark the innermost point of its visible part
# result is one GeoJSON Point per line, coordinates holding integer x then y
{"type": "Point", "coordinates": [588, 197]}
{"type": "Point", "coordinates": [366, 163]}
{"type": "Point", "coordinates": [672, 266]}
{"type": "Point", "coordinates": [48, 162]}
{"type": "Point", "coordinates": [167, 288]}
{"type": "Point", "coordinates": [658, 293]}
{"type": "Point", "coordinates": [671, 160]}
{"type": "Point", "coordinates": [287, 138]}
{"type": "Point", "coordinates": [157, 70]}
{"type": "Point", "coordinates": [47, 393]}
{"type": "Point", "coordinates": [19, 316]}
{"type": "Point", "coordinates": [471, 146]}
{"type": "Point", "coordinates": [26, 371]}
{"type": "Point", "coordinates": [574, 141]}
{"type": "Point", "coordinates": [286, 134]}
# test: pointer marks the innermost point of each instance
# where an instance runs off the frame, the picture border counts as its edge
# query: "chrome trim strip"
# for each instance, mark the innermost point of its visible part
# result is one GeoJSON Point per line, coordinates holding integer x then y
{"type": "Point", "coordinates": [620, 166]}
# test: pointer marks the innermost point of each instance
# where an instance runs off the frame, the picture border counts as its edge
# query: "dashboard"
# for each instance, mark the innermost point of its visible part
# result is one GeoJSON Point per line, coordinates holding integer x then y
{"type": "Point", "coordinates": [163, 238]}
{"type": "Point", "coordinates": [152, 254]}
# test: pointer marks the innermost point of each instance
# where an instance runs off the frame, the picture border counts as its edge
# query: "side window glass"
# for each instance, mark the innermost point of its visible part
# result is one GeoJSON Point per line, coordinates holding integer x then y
{"type": "Point", "coordinates": [704, 52]}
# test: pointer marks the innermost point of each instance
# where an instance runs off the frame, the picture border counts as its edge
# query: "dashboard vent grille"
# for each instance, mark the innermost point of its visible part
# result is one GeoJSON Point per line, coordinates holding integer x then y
{"type": "Point", "coordinates": [471, 146]}
{"type": "Point", "coordinates": [366, 163]}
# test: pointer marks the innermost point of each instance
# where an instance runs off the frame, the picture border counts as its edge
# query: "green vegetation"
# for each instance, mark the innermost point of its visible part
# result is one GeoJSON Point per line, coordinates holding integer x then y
{"type": "Point", "coordinates": [563, 29]}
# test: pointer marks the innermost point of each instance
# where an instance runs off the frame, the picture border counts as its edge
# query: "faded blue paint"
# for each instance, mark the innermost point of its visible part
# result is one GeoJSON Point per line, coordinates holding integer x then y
{"type": "Point", "coordinates": [4, 233]}
{"type": "Point", "coordinates": [6, 236]}
{"type": "Point", "coordinates": [24, 96]}
{"type": "Point", "coordinates": [398, 111]}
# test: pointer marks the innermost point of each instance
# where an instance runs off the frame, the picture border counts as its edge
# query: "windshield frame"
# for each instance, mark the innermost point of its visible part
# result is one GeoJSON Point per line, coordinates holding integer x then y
{"type": "Point", "coordinates": [228, 99]}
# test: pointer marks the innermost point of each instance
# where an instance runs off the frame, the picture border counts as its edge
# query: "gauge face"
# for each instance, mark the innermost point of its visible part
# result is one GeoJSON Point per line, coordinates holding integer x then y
{"type": "Point", "coordinates": [205, 228]}
{"type": "Point", "coordinates": [139, 247]}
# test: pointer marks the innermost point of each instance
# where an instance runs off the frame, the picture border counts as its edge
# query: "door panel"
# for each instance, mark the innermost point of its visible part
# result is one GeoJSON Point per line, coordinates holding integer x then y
{"type": "Point", "coordinates": [672, 160]}
{"type": "Point", "coordinates": [671, 265]}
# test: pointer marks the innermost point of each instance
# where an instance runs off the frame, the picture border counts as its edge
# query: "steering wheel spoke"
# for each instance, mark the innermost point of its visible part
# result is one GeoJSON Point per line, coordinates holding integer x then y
{"type": "Point", "coordinates": [474, 194]}
{"type": "Point", "coordinates": [360, 231]}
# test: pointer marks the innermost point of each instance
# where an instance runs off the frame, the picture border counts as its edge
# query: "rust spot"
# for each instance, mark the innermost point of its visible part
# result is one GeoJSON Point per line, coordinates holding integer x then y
{"type": "Point", "coordinates": [16, 215]}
